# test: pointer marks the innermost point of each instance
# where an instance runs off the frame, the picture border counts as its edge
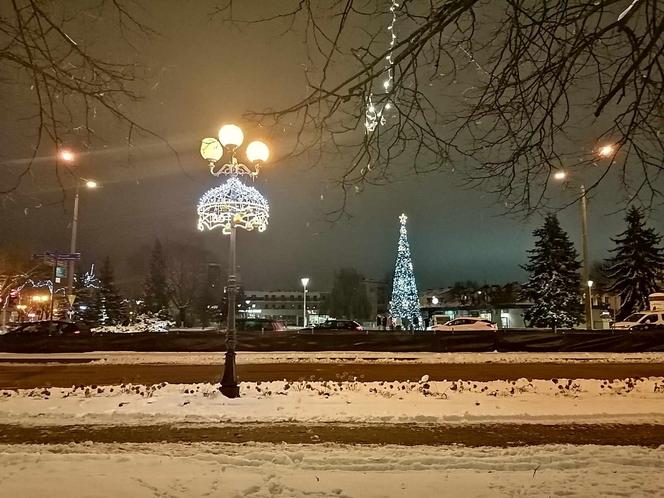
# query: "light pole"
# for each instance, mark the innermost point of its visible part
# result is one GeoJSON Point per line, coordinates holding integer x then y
{"type": "Point", "coordinates": [305, 282]}
{"type": "Point", "coordinates": [605, 151]}
{"type": "Point", "coordinates": [229, 206]}
{"type": "Point", "coordinates": [69, 157]}
{"type": "Point", "coordinates": [585, 265]}
{"type": "Point", "coordinates": [590, 300]}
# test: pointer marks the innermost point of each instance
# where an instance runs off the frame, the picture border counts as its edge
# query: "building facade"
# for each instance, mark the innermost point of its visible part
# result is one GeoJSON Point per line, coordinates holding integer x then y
{"type": "Point", "coordinates": [284, 305]}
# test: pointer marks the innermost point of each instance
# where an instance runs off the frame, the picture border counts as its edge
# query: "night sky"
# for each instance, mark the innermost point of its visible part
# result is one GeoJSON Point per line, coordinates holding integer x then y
{"type": "Point", "coordinates": [203, 75]}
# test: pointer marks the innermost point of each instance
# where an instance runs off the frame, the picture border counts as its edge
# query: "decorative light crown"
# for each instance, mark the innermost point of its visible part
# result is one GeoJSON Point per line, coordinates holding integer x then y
{"type": "Point", "coordinates": [233, 201]}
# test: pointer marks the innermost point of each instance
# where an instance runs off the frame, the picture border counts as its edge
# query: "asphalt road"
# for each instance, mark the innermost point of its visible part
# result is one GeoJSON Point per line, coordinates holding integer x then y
{"type": "Point", "coordinates": [26, 376]}
{"type": "Point", "coordinates": [502, 435]}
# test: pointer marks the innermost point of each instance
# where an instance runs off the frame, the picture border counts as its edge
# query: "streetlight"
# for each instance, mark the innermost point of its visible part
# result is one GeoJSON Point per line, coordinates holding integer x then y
{"type": "Point", "coordinates": [605, 151]}
{"type": "Point", "coordinates": [305, 282]}
{"type": "Point", "coordinates": [228, 206]}
{"type": "Point", "coordinates": [590, 299]}
{"type": "Point", "coordinates": [69, 157]}
{"type": "Point", "coordinates": [585, 268]}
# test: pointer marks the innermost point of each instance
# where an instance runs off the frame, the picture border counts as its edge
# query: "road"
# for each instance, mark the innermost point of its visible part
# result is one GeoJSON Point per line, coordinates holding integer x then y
{"type": "Point", "coordinates": [67, 374]}
{"type": "Point", "coordinates": [502, 435]}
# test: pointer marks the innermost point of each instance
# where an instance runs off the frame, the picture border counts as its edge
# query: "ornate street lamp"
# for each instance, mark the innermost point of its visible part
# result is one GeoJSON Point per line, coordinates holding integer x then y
{"type": "Point", "coordinates": [229, 206]}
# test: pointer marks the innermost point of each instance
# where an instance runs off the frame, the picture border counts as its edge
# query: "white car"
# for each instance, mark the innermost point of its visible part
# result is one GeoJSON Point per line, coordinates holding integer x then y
{"type": "Point", "coordinates": [641, 320]}
{"type": "Point", "coordinates": [466, 323]}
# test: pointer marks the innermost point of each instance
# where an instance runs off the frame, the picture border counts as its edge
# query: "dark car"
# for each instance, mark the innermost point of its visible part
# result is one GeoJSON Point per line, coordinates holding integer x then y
{"type": "Point", "coordinates": [50, 328]}
{"type": "Point", "coordinates": [340, 325]}
{"type": "Point", "coordinates": [259, 325]}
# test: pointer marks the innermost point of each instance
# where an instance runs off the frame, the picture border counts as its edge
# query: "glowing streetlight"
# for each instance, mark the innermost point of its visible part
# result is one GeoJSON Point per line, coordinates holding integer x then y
{"type": "Point", "coordinates": [228, 206]}
{"type": "Point", "coordinates": [562, 175]}
{"type": "Point", "coordinates": [67, 155]}
{"type": "Point", "coordinates": [434, 300]}
{"type": "Point", "coordinates": [590, 300]}
{"type": "Point", "coordinates": [305, 282]}
{"type": "Point", "coordinates": [606, 151]}
{"type": "Point", "coordinates": [231, 136]}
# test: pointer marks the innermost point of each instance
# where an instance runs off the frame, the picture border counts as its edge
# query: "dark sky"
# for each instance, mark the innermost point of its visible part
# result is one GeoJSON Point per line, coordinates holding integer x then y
{"type": "Point", "coordinates": [204, 75]}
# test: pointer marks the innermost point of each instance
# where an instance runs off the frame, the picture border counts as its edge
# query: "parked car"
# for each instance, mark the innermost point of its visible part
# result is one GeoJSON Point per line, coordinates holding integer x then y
{"type": "Point", "coordinates": [259, 325]}
{"type": "Point", "coordinates": [642, 320]}
{"type": "Point", "coordinates": [340, 325]}
{"type": "Point", "coordinates": [50, 328]}
{"type": "Point", "coordinates": [466, 323]}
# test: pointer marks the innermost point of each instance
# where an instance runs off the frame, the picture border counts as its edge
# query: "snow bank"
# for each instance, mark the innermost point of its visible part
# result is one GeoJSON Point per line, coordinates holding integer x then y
{"type": "Point", "coordinates": [262, 470]}
{"type": "Point", "coordinates": [543, 401]}
{"type": "Point", "coordinates": [131, 358]}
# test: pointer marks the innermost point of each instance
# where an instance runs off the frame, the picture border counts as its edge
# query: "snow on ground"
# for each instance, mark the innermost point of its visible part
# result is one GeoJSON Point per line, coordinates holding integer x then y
{"type": "Point", "coordinates": [130, 358]}
{"type": "Point", "coordinates": [638, 400]}
{"type": "Point", "coordinates": [265, 470]}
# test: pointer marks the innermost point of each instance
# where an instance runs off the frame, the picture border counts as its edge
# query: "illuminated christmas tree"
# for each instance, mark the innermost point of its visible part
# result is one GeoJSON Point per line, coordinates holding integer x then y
{"type": "Point", "coordinates": [405, 302]}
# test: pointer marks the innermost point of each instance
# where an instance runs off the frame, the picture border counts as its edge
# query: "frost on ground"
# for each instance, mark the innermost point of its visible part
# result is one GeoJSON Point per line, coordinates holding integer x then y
{"type": "Point", "coordinates": [635, 400]}
{"type": "Point", "coordinates": [262, 470]}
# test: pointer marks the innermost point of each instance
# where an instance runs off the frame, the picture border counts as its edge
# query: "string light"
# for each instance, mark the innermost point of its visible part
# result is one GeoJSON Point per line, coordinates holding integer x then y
{"type": "Point", "coordinates": [405, 302]}
{"type": "Point", "coordinates": [233, 201]}
{"type": "Point", "coordinates": [374, 115]}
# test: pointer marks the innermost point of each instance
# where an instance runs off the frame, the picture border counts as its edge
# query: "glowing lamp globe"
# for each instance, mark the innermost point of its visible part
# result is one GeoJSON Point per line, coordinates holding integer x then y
{"type": "Point", "coordinates": [560, 175]}
{"type": "Point", "coordinates": [211, 150]}
{"type": "Point", "coordinates": [91, 184]}
{"type": "Point", "coordinates": [231, 136]}
{"type": "Point", "coordinates": [257, 152]}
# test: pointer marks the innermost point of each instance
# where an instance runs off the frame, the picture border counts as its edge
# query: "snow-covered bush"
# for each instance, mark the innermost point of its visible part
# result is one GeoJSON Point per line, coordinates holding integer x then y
{"type": "Point", "coordinates": [142, 323]}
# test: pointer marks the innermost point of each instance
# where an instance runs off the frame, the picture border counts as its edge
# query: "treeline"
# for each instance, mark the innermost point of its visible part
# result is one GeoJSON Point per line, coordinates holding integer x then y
{"type": "Point", "coordinates": [634, 270]}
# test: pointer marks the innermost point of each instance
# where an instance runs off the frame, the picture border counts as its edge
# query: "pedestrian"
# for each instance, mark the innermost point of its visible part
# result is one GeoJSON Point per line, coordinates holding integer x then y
{"type": "Point", "coordinates": [416, 322]}
{"type": "Point", "coordinates": [384, 323]}
{"type": "Point", "coordinates": [379, 320]}
{"type": "Point", "coordinates": [427, 320]}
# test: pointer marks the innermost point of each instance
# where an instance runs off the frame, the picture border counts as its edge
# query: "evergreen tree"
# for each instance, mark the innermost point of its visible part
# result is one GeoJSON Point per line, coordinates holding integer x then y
{"type": "Point", "coordinates": [405, 303]}
{"type": "Point", "coordinates": [637, 264]}
{"type": "Point", "coordinates": [112, 307]}
{"type": "Point", "coordinates": [155, 295]}
{"type": "Point", "coordinates": [348, 298]}
{"type": "Point", "coordinates": [554, 286]}
{"type": "Point", "coordinates": [86, 288]}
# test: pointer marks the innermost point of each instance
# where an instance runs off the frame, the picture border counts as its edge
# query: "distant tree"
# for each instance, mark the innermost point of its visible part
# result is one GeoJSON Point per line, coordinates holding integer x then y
{"type": "Point", "coordinates": [184, 266]}
{"type": "Point", "coordinates": [636, 265]}
{"type": "Point", "coordinates": [87, 304]}
{"type": "Point", "coordinates": [554, 283]}
{"type": "Point", "coordinates": [203, 304]}
{"type": "Point", "coordinates": [348, 298]}
{"type": "Point", "coordinates": [155, 295]}
{"type": "Point", "coordinates": [112, 310]}
{"type": "Point", "coordinates": [15, 272]}
{"type": "Point", "coordinates": [506, 294]}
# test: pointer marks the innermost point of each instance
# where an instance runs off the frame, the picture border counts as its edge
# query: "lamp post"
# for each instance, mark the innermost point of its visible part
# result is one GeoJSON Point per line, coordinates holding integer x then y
{"type": "Point", "coordinates": [590, 300]}
{"type": "Point", "coordinates": [585, 265]}
{"type": "Point", "coordinates": [69, 157]}
{"type": "Point", "coordinates": [229, 206]}
{"type": "Point", "coordinates": [605, 152]}
{"type": "Point", "coordinates": [305, 282]}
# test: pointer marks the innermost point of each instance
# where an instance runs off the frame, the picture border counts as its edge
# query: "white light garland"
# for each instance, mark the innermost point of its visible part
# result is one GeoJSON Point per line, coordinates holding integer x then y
{"type": "Point", "coordinates": [405, 301]}
{"type": "Point", "coordinates": [374, 114]}
{"type": "Point", "coordinates": [233, 200]}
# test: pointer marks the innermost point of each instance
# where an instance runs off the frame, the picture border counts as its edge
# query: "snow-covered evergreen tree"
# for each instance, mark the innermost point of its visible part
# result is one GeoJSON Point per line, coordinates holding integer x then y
{"type": "Point", "coordinates": [554, 286]}
{"type": "Point", "coordinates": [637, 264]}
{"type": "Point", "coordinates": [86, 288]}
{"type": "Point", "coordinates": [405, 303]}
{"type": "Point", "coordinates": [113, 311]}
